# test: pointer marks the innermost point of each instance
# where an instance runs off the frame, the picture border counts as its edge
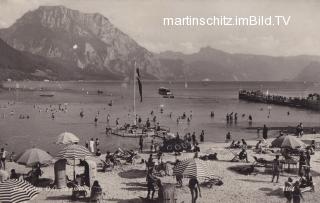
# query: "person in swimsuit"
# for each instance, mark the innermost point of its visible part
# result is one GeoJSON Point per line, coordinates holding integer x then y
{"type": "Point", "coordinates": [194, 189]}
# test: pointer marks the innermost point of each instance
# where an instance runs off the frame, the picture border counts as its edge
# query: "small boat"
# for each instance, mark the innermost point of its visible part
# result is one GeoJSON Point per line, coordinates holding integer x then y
{"type": "Point", "coordinates": [165, 92]}
{"type": "Point", "coordinates": [46, 95]}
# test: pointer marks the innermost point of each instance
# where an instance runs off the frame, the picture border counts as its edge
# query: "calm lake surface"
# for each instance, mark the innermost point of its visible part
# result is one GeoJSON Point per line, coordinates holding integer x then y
{"type": "Point", "coordinates": [200, 98]}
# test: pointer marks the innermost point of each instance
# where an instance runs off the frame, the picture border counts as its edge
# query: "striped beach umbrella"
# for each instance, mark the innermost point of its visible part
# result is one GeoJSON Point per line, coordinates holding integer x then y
{"type": "Point", "coordinates": [33, 156]}
{"type": "Point", "coordinates": [67, 138]}
{"type": "Point", "coordinates": [288, 141]}
{"type": "Point", "coordinates": [74, 151]}
{"type": "Point", "coordinates": [14, 191]}
{"type": "Point", "coordinates": [193, 168]}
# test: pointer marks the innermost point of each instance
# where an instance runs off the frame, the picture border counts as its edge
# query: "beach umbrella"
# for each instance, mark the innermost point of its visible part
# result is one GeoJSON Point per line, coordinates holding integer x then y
{"type": "Point", "coordinates": [4, 175]}
{"type": "Point", "coordinates": [193, 168]}
{"type": "Point", "coordinates": [33, 156]}
{"type": "Point", "coordinates": [67, 138]}
{"type": "Point", "coordinates": [74, 152]}
{"type": "Point", "coordinates": [14, 191]}
{"type": "Point", "coordinates": [288, 141]}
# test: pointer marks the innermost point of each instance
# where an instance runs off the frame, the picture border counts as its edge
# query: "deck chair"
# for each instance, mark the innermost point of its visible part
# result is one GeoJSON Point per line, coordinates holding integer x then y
{"type": "Point", "coordinates": [262, 162]}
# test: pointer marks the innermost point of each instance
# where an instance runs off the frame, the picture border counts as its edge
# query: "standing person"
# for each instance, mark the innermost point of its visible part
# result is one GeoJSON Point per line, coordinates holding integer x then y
{"type": "Point", "coordinates": [3, 155]}
{"type": "Point", "coordinates": [228, 137]}
{"type": "Point", "coordinates": [296, 193]}
{"type": "Point", "coordinates": [91, 145]}
{"type": "Point", "coordinates": [288, 187]}
{"type": "Point", "coordinates": [202, 136]}
{"type": "Point", "coordinates": [108, 119]}
{"type": "Point", "coordinates": [302, 162]}
{"type": "Point", "coordinates": [151, 180]}
{"type": "Point", "coordinates": [117, 123]}
{"type": "Point", "coordinates": [194, 138]}
{"type": "Point", "coordinates": [265, 132]}
{"type": "Point", "coordinates": [97, 142]}
{"type": "Point", "coordinates": [194, 189]}
{"type": "Point", "coordinates": [276, 168]}
{"type": "Point", "coordinates": [96, 120]}
{"type": "Point", "coordinates": [141, 143]}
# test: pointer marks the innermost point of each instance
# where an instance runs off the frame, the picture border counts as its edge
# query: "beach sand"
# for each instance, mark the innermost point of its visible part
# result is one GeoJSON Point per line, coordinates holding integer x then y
{"type": "Point", "coordinates": [128, 184]}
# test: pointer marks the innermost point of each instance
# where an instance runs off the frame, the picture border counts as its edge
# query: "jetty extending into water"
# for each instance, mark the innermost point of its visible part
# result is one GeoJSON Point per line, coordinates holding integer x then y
{"type": "Point", "coordinates": [312, 102]}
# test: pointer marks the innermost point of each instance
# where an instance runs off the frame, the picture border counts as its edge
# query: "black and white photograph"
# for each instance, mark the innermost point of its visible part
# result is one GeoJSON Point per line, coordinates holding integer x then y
{"type": "Point", "coordinates": [159, 101]}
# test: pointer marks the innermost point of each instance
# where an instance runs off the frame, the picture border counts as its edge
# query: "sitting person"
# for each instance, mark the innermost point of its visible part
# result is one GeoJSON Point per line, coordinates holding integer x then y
{"type": "Point", "coordinates": [109, 158]}
{"type": "Point", "coordinates": [96, 192]}
{"type": "Point", "coordinates": [244, 144]}
{"type": "Point", "coordinates": [306, 181]}
{"type": "Point", "coordinates": [34, 175]}
{"type": "Point", "coordinates": [237, 145]}
{"type": "Point", "coordinates": [98, 152]}
{"type": "Point", "coordinates": [241, 156]}
{"type": "Point", "coordinates": [232, 145]}
{"type": "Point", "coordinates": [259, 147]}
{"type": "Point", "coordinates": [13, 174]}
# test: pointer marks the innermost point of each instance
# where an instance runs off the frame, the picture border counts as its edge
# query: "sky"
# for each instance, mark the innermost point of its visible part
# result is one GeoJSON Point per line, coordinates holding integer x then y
{"type": "Point", "coordinates": [143, 21]}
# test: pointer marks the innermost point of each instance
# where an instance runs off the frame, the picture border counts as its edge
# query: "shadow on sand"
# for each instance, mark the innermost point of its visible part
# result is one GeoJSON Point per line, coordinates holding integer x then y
{"type": "Point", "coordinates": [270, 192]}
{"type": "Point", "coordinates": [135, 186]}
{"type": "Point", "coordinates": [132, 174]}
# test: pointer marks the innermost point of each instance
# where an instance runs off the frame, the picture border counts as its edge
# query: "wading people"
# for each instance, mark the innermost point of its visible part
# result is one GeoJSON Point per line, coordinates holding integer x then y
{"type": "Point", "coordinates": [194, 189]}
{"type": "Point", "coordinates": [276, 168]}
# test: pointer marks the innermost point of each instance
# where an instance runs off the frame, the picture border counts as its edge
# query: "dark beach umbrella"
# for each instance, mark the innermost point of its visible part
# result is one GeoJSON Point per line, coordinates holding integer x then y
{"type": "Point", "coordinates": [288, 141]}
{"type": "Point", "coordinates": [33, 156]}
{"type": "Point", "coordinates": [14, 191]}
{"type": "Point", "coordinates": [193, 168]}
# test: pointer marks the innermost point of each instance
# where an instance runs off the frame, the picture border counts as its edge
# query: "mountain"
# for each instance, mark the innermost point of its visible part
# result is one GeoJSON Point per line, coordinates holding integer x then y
{"type": "Point", "coordinates": [310, 73]}
{"type": "Point", "coordinates": [88, 41]}
{"type": "Point", "coordinates": [20, 65]}
{"type": "Point", "coordinates": [221, 66]}
{"type": "Point", "coordinates": [89, 46]}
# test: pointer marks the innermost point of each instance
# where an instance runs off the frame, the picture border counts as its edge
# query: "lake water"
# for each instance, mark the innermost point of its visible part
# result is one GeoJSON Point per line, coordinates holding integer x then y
{"type": "Point", "coordinates": [199, 98]}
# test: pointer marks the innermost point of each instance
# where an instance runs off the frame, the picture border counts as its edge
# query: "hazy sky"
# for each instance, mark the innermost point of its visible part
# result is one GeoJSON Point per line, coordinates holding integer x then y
{"type": "Point", "coordinates": [142, 20]}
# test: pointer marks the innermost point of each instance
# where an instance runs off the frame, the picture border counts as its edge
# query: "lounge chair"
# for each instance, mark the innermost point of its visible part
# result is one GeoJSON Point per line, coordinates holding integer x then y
{"type": "Point", "coordinates": [78, 192]}
{"type": "Point", "coordinates": [262, 162]}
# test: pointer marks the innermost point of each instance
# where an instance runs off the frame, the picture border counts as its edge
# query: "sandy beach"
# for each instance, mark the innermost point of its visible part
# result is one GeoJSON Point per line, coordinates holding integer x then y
{"type": "Point", "coordinates": [128, 184]}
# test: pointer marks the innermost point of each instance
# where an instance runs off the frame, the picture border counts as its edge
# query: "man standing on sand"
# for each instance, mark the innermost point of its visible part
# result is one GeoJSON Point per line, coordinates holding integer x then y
{"type": "Point", "coordinates": [141, 143]}
{"type": "Point", "coordinates": [194, 189]}
{"type": "Point", "coordinates": [91, 145]}
{"type": "Point", "coordinates": [265, 132]}
{"type": "Point", "coordinates": [276, 168]}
